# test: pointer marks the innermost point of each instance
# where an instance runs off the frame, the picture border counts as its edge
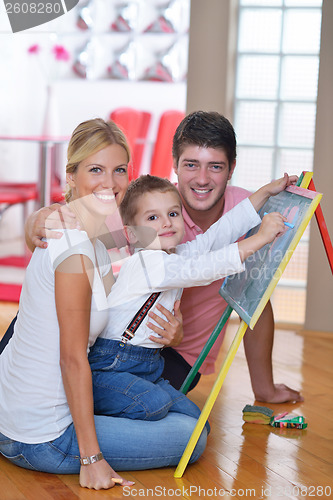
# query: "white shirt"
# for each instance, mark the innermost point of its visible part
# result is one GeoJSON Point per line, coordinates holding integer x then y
{"type": "Point", "coordinates": [33, 404]}
{"type": "Point", "coordinates": [209, 257]}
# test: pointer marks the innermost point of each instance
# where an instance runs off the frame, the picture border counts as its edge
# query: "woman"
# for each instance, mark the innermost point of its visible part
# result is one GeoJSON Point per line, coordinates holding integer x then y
{"type": "Point", "coordinates": [46, 403]}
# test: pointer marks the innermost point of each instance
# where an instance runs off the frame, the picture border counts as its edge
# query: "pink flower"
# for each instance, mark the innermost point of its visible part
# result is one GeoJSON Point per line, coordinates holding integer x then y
{"type": "Point", "coordinates": [61, 54]}
{"type": "Point", "coordinates": [34, 49]}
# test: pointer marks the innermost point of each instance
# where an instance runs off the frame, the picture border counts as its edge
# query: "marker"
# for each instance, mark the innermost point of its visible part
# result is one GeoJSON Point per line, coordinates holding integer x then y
{"type": "Point", "coordinates": [285, 223]}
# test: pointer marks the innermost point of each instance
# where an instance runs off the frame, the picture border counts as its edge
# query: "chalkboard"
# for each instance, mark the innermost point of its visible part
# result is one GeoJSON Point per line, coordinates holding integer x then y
{"type": "Point", "coordinates": [248, 292]}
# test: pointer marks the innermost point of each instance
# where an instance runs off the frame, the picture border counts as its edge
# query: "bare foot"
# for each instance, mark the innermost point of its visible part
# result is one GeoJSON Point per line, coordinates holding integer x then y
{"type": "Point", "coordinates": [282, 394]}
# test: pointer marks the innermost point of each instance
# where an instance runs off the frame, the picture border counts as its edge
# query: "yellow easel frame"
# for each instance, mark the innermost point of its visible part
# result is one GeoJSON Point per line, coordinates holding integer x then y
{"type": "Point", "coordinates": [241, 331]}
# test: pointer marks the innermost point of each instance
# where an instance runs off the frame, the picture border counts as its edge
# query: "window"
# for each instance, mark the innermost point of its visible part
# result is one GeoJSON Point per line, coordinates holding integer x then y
{"type": "Point", "coordinates": [275, 111]}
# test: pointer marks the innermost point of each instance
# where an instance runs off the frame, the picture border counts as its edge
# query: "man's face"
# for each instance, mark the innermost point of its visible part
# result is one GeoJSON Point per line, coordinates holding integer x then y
{"type": "Point", "coordinates": [203, 174]}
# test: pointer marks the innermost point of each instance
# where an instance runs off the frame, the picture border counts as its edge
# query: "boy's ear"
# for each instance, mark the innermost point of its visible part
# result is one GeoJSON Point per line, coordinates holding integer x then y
{"type": "Point", "coordinates": [130, 235]}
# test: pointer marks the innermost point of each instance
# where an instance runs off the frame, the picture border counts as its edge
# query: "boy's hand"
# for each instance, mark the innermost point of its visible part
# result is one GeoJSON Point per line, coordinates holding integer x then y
{"type": "Point", "coordinates": [40, 223]}
{"type": "Point", "coordinates": [275, 187]}
{"type": "Point", "coordinates": [272, 226]}
{"type": "Point", "coordinates": [259, 198]}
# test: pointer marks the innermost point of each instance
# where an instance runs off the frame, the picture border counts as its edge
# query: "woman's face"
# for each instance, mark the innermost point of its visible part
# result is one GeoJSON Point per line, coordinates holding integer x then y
{"type": "Point", "coordinates": [102, 178]}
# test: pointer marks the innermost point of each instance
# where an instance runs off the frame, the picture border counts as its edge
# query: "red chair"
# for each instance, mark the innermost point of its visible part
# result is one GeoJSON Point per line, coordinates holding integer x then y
{"type": "Point", "coordinates": [16, 193]}
{"type": "Point", "coordinates": [162, 162]}
{"type": "Point", "coordinates": [57, 191]}
{"type": "Point", "coordinates": [135, 125]}
{"type": "Point", "coordinates": [10, 196]}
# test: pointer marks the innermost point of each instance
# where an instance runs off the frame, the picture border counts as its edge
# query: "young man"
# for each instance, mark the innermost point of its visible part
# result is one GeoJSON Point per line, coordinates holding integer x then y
{"type": "Point", "coordinates": [204, 153]}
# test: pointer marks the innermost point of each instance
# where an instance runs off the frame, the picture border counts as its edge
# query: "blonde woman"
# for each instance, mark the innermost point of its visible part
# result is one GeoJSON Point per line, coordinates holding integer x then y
{"type": "Point", "coordinates": [46, 402]}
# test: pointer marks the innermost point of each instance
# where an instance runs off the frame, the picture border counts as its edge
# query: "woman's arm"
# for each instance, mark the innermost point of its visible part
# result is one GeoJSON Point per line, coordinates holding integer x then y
{"type": "Point", "coordinates": [73, 302]}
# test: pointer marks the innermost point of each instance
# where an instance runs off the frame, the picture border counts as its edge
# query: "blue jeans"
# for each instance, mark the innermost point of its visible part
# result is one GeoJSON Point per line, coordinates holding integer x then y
{"type": "Point", "coordinates": [127, 383]}
{"type": "Point", "coordinates": [126, 445]}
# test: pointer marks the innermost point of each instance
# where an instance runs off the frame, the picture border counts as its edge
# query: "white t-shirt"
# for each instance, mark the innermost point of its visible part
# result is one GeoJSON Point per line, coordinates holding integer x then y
{"type": "Point", "coordinates": [33, 404]}
{"type": "Point", "coordinates": [211, 256]}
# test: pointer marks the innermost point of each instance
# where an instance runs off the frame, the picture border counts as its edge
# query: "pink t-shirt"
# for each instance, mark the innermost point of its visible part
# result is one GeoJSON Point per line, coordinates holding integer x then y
{"type": "Point", "coordinates": [203, 306]}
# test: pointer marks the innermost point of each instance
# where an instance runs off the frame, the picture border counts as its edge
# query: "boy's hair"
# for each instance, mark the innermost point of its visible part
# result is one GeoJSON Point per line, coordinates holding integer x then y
{"type": "Point", "coordinates": [137, 188]}
{"type": "Point", "coordinates": [207, 130]}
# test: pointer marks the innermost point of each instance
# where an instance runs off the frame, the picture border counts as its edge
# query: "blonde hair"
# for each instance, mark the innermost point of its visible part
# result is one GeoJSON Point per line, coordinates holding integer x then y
{"type": "Point", "coordinates": [88, 138]}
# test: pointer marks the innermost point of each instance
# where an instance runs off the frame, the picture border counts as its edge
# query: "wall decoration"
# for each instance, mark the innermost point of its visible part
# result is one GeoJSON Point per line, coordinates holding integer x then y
{"type": "Point", "coordinates": [128, 40]}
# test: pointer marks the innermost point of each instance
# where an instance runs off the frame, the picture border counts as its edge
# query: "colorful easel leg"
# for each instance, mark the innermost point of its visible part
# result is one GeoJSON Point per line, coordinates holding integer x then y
{"type": "Point", "coordinates": [323, 230]}
{"type": "Point", "coordinates": [210, 400]}
{"type": "Point", "coordinates": [207, 347]}
{"type": "Point", "coordinates": [304, 179]}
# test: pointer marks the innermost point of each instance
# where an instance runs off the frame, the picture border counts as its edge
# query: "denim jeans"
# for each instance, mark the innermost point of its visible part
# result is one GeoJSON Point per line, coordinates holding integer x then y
{"type": "Point", "coordinates": [126, 445]}
{"type": "Point", "coordinates": [127, 383]}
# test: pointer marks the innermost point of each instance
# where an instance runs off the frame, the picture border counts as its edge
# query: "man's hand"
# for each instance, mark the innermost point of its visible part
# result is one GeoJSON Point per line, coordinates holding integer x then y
{"type": "Point", "coordinates": [40, 223]}
{"type": "Point", "coordinates": [171, 329]}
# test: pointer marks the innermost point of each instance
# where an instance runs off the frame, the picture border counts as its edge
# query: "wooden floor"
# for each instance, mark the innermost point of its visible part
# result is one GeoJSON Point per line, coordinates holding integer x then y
{"type": "Point", "coordinates": [241, 460]}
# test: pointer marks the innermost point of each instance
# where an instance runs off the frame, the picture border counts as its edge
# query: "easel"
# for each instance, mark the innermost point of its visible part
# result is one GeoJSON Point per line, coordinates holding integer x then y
{"type": "Point", "coordinates": [305, 181]}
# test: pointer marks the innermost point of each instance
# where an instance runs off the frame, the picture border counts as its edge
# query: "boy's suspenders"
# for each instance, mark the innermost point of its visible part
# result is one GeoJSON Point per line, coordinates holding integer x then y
{"type": "Point", "coordinates": [139, 317]}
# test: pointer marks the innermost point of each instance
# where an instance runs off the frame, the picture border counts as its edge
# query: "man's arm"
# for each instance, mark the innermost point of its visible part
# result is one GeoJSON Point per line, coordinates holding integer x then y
{"type": "Point", "coordinates": [39, 224]}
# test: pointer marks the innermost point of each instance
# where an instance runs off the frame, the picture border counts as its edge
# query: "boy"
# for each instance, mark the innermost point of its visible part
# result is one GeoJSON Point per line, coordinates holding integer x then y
{"type": "Point", "coordinates": [127, 370]}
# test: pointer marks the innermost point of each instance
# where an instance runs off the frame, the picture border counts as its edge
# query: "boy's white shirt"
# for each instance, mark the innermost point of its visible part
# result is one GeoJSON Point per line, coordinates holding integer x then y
{"type": "Point", "coordinates": [211, 256]}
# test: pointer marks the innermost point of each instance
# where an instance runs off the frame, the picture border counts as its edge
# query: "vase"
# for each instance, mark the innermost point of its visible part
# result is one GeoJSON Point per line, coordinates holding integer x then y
{"type": "Point", "coordinates": [51, 126]}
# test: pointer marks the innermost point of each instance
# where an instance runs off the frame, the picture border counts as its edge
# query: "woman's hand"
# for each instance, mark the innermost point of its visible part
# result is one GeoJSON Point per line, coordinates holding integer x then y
{"type": "Point", "coordinates": [39, 223]}
{"type": "Point", "coordinates": [171, 329]}
{"type": "Point", "coordinates": [100, 476]}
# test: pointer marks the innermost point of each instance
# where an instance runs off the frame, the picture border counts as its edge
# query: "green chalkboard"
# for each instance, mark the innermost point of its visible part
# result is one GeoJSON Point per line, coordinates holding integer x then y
{"type": "Point", "coordinates": [248, 292]}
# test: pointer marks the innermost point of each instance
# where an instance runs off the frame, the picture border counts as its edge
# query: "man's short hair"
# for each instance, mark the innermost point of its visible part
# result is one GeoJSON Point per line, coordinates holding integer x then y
{"type": "Point", "coordinates": [205, 129]}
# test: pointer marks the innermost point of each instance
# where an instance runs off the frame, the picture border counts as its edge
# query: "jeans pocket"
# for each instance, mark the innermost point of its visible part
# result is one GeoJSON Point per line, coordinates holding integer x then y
{"type": "Point", "coordinates": [20, 461]}
{"type": "Point", "coordinates": [113, 366]}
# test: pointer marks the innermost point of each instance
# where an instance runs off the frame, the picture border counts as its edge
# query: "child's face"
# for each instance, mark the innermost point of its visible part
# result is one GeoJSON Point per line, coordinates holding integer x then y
{"type": "Point", "coordinates": [159, 223]}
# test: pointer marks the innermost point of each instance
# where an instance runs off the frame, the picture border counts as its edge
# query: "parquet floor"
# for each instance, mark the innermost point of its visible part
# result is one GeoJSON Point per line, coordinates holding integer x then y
{"type": "Point", "coordinates": [241, 460]}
